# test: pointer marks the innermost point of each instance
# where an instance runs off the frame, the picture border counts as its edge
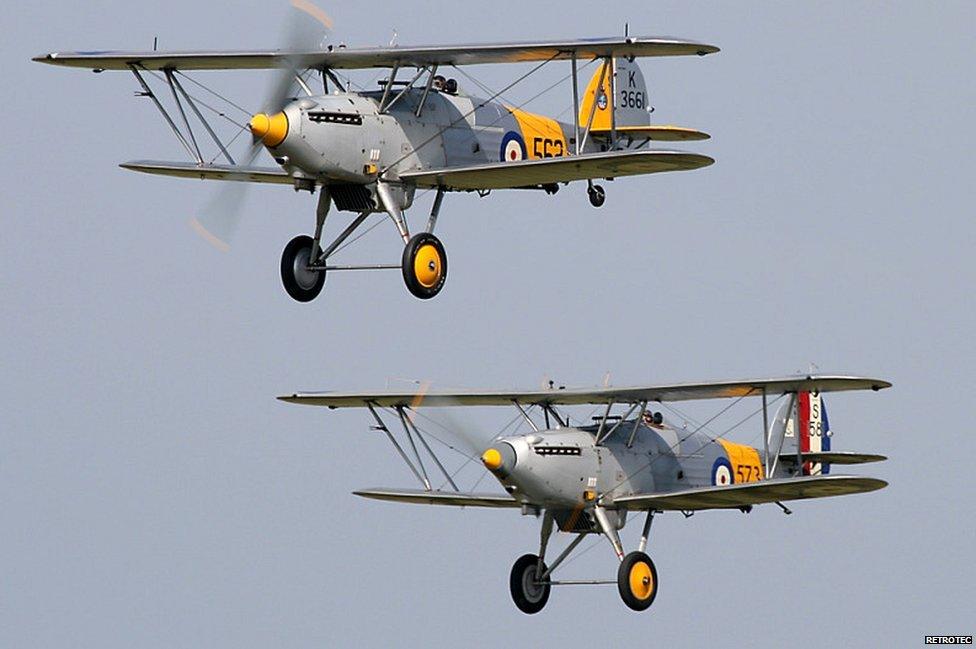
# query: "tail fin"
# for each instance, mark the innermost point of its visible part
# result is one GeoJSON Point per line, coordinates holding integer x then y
{"type": "Point", "coordinates": [802, 424]}
{"type": "Point", "coordinates": [631, 102]}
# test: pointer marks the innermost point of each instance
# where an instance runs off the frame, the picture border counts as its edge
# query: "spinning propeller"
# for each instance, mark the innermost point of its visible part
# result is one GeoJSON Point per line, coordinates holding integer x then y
{"type": "Point", "coordinates": [219, 219]}
{"type": "Point", "coordinates": [473, 438]}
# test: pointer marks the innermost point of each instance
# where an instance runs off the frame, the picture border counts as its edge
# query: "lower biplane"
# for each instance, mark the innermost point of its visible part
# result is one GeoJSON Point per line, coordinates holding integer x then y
{"type": "Point", "coordinates": [368, 151]}
{"type": "Point", "coordinates": [585, 479]}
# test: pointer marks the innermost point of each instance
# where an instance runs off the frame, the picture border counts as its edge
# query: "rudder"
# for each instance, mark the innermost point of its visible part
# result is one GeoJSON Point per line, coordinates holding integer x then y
{"type": "Point", "coordinates": [631, 100]}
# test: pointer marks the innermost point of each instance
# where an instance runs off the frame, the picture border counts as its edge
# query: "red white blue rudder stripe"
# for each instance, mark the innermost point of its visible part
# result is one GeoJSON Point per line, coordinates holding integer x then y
{"type": "Point", "coordinates": [814, 430]}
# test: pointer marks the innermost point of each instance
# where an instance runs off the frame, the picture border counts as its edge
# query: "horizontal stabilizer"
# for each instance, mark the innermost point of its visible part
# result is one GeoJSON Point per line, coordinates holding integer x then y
{"type": "Point", "coordinates": [450, 498]}
{"type": "Point", "coordinates": [593, 396]}
{"type": "Point", "coordinates": [659, 133]}
{"type": "Point", "coordinates": [547, 171]}
{"type": "Point", "coordinates": [834, 457]}
{"type": "Point", "coordinates": [237, 173]}
{"type": "Point", "coordinates": [752, 493]}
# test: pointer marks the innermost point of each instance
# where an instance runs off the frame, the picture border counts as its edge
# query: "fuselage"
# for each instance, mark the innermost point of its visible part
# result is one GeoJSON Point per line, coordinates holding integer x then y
{"type": "Point", "coordinates": [344, 138]}
{"type": "Point", "coordinates": [565, 468]}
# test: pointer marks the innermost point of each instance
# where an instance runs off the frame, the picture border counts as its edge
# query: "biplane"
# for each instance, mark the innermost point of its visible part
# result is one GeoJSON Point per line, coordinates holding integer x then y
{"type": "Point", "coordinates": [586, 478]}
{"type": "Point", "coordinates": [368, 151]}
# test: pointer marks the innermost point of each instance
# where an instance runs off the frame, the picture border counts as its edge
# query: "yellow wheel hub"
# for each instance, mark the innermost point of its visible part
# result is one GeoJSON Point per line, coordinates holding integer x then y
{"type": "Point", "coordinates": [427, 266]}
{"type": "Point", "coordinates": [641, 580]}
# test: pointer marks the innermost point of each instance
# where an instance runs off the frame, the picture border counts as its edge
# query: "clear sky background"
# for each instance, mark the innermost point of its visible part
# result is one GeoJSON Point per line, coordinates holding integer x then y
{"type": "Point", "coordinates": [154, 494]}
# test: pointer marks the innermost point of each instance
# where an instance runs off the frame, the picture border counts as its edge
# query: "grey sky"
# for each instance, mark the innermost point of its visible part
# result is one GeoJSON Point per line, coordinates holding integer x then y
{"type": "Point", "coordinates": [153, 493]}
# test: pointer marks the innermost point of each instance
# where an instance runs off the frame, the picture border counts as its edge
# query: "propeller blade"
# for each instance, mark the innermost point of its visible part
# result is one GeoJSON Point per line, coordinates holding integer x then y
{"type": "Point", "coordinates": [220, 218]}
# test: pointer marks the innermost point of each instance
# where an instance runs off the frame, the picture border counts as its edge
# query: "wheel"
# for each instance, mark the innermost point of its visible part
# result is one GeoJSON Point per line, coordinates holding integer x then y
{"type": "Point", "coordinates": [424, 265]}
{"type": "Point", "coordinates": [300, 282]}
{"type": "Point", "coordinates": [597, 196]}
{"type": "Point", "coordinates": [529, 595]}
{"type": "Point", "coordinates": [637, 581]}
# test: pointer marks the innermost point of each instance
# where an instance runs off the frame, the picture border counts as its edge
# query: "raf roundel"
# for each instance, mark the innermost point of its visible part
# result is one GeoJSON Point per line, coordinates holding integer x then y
{"type": "Point", "coordinates": [721, 472]}
{"type": "Point", "coordinates": [513, 147]}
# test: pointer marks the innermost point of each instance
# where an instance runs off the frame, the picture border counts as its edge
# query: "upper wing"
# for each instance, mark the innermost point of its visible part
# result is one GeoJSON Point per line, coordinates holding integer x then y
{"type": "Point", "coordinates": [545, 171]}
{"type": "Point", "coordinates": [752, 493]}
{"type": "Point", "coordinates": [383, 57]}
{"type": "Point", "coordinates": [210, 171]}
{"type": "Point", "coordinates": [454, 499]}
{"type": "Point", "coordinates": [661, 133]}
{"type": "Point", "coordinates": [571, 397]}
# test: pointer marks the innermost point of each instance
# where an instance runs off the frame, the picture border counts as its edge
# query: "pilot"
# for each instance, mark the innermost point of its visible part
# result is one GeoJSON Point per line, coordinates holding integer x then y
{"type": "Point", "coordinates": [653, 419]}
{"type": "Point", "coordinates": [438, 83]}
{"type": "Point", "coordinates": [451, 87]}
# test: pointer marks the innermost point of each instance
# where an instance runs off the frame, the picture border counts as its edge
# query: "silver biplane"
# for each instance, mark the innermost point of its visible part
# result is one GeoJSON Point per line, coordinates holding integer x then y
{"type": "Point", "coordinates": [585, 479]}
{"type": "Point", "coordinates": [368, 151]}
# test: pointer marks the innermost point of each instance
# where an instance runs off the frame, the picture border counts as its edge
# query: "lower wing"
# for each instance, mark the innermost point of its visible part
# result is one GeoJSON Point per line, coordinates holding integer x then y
{"type": "Point", "coordinates": [210, 171]}
{"type": "Point", "coordinates": [548, 171]}
{"type": "Point", "coordinates": [752, 493]}
{"type": "Point", "coordinates": [451, 498]}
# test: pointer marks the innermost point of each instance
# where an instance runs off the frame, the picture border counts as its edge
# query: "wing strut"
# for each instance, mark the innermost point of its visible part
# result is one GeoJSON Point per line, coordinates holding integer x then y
{"type": "Point", "coordinates": [381, 426]}
{"type": "Point", "coordinates": [410, 429]}
{"type": "Point", "coordinates": [409, 421]}
{"type": "Point", "coordinates": [765, 433]}
{"type": "Point", "coordinates": [177, 89]}
{"type": "Point", "coordinates": [147, 92]}
{"type": "Point", "coordinates": [576, 132]}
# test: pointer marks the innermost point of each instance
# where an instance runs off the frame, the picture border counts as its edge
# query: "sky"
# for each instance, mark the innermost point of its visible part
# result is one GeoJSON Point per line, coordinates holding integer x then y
{"type": "Point", "coordinates": [153, 493]}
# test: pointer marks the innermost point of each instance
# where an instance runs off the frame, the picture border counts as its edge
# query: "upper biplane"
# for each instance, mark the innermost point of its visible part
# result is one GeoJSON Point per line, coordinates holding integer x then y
{"type": "Point", "coordinates": [585, 478]}
{"type": "Point", "coordinates": [368, 151]}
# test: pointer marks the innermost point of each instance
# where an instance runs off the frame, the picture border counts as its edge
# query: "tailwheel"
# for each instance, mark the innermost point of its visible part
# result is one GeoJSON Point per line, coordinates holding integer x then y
{"type": "Point", "coordinates": [300, 283]}
{"type": "Point", "coordinates": [528, 592]}
{"type": "Point", "coordinates": [637, 581]}
{"type": "Point", "coordinates": [597, 195]}
{"type": "Point", "coordinates": [424, 265]}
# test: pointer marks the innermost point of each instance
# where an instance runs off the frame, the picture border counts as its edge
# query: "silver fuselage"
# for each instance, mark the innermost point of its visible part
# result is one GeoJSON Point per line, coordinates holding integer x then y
{"type": "Point", "coordinates": [344, 138]}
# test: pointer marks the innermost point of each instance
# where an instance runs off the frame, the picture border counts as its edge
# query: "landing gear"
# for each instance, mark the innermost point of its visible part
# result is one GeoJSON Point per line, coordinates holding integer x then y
{"type": "Point", "coordinates": [424, 265]}
{"type": "Point", "coordinates": [597, 196]}
{"type": "Point", "coordinates": [529, 591]}
{"type": "Point", "coordinates": [300, 282]}
{"type": "Point", "coordinates": [306, 260]}
{"type": "Point", "coordinates": [637, 581]}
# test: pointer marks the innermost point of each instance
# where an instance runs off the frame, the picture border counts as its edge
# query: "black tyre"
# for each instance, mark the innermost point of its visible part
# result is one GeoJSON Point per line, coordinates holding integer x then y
{"type": "Point", "coordinates": [300, 283]}
{"type": "Point", "coordinates": [597, 196]}
{"type": "Point", "coordinates": [637, 581]}
{"type": "Point", "coordinates": [424, 265]}
{"type": "Point", "coordinates": [529, 595]}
